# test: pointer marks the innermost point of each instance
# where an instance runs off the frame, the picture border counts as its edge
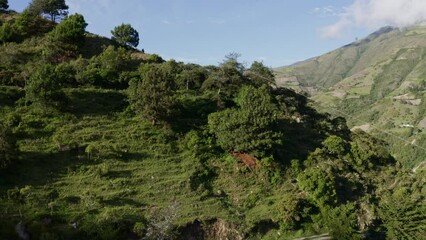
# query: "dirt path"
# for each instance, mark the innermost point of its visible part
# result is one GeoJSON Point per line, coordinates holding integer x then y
{"type": "Point", "coordinates": [422, 164]}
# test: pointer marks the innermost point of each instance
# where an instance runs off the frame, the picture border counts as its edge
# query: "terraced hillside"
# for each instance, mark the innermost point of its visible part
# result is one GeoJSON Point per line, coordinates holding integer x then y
{"type": "Point", "coordinates": [101, 141]}
{"type": "Point", "coordinates": [378, 83]}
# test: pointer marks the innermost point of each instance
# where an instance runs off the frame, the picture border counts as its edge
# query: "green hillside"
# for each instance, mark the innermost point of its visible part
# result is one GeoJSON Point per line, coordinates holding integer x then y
{"type": "Point", "coordinates": [101, 141]}
{"type": "Point", "coordinates": [377, 83]}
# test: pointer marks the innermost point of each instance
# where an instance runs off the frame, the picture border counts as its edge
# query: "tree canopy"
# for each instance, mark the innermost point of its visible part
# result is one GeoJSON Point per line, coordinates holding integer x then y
{"type": "Point", "coordinates": [44, 87]}
{"type": "Point", "coordinates": [126, 35]}
{"type": "Point", "coordinates": [53, 8]}
{"type": "Point", "coordinates": [71, 30]}
{"type": "Point", "coordinates": [259, 74]}
{"type": "Point", "coordinates": [152, 95]}
{"type": "Point", "coordinates": [4, 4]}
{"type": "Point", "coordinates": [249, 128]}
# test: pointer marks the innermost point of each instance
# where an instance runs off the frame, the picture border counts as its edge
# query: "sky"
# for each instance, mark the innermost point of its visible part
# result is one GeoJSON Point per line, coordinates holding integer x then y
{"type": "Point", "coordinates": [277, 32]}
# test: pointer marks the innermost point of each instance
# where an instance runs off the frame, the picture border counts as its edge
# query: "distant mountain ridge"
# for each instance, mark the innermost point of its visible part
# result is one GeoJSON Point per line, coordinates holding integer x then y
{"type": "Point", "coordinates": [377, 82]}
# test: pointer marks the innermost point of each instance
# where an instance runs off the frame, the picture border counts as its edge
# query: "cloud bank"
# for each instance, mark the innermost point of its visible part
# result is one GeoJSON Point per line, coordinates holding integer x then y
{"type": "Point", "coordinates": [377, 13]}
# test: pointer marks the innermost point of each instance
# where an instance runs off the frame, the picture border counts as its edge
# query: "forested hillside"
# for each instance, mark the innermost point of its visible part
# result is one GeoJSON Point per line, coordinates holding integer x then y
{"type": "Point", "coordinates": [101, 141]}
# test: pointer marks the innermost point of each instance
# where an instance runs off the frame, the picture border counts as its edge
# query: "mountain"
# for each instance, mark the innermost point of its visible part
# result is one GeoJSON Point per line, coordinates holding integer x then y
{"type": "Point", "coordinates": [101, 141]}
{"type": "Point", "coordinates": [378, 83]}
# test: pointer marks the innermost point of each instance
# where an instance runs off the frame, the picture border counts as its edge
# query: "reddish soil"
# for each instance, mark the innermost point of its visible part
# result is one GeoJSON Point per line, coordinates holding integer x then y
{"type": "Point", "coordinates": [248, 160]}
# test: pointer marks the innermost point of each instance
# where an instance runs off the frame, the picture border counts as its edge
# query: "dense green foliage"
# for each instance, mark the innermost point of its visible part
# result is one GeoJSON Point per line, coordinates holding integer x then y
{"type": "Point", "coordinates": [111, 143]}
{"type": "Point", "coordinates": [4, 4]}
{"type": "Point", "coordinates": [44, 87]}
{"type": "Point", "coordinates": [22, 27]}
{"type": "Point", "coordinates": [260, 74]}
{"type": "Point", "coordinates": [70, 31]}
{"type": "Point", "coordinates": [320, 184]}
{"type": "Point", "coordinates": [53, 8]}
{"type": "Point", "coordinates": [251, 127]}
{"type": "Point", "coordinates": [125, 35]}
{"type": "Point", "coordinates": [152, 94]}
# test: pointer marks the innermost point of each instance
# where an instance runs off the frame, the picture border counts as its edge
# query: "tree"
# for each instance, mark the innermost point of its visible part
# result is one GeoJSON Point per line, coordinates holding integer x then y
{"type": "Point", "coordinates": [368, 152]}
{"type": "Point", "coordinates": [4, 4]}
{"type": "Point", "coordinates": [71, 30]}
{"type": "Point", "coordinates": [403, 213]}
{"type": "Point", "coordinates": [227, 79]}
{"type": "Point", "coordinates": [23, 26]}
{"type": "Point", "coordinates": [259, 74]}
{"type": "Point", "coordinates": [320, 185]}
{"type": "Point", "coordinates": [250, 128]}
{"type": "Point", "coordinates": [26, 24]}
{"type": "Point", "coordinates": [8, 148]}
{"type": "Point", "coordinates": [125, 34]}
{"type": "Point", "coordinates": [191, 78]}
{"type": "Point", "coordinates": [7, 33]}
{"type": "Point", "coordinates": [292, 209]}
{"type": "Point", "coordinates": [107, 68]}
{"type": "Point", "coordinates": [43, 86]}
{"type": "Point", "coordinates": [152, 95]}
{"type": "Point", "coordinates": [335, 146]}
{"type": "Point", "coordinates": [341, 222]}
{"type": "Point", "coordinates": [66, 39]}
{"type": "Point", "coordinates": [51, 8]}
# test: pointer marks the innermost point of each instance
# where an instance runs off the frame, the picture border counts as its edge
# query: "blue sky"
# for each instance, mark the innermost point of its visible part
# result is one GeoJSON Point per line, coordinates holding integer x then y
{"type": "Point", "coordinates": [278, 32]}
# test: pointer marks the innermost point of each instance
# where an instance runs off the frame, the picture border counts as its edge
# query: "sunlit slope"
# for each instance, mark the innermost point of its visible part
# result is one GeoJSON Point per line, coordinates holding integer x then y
{"type": "Point", "coordinates": [377, 83]}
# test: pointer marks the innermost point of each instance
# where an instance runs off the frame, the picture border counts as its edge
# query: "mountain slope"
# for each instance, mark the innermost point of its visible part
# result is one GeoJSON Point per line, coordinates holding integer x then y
{"type": "Point", "coordinates": [377, 83]}
{"type": "Point", "coordinates": [111, 143]}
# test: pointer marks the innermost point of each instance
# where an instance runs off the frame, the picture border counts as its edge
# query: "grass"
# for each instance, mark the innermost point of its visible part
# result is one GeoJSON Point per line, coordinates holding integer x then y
{"type": "Point", "coordinates": [95, 162]}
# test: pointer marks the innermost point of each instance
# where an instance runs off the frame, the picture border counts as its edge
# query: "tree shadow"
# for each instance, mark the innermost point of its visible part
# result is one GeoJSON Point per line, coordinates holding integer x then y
{"type": "Point", "coordinates": [263, 226]}
{"type": "Point", "coordinates": [193, 113]}
{"type": "Point", "coordinates": [95, 45]}
{"type": "Point", "coordinates": [39, 169]}
{"type": "Point", "coordinates": [119, 201]}
{"type": "Point", "coordinates": [89, 102]}
{"type": "Point", "coordinates": [9, 95]}
{"type": "Point", "coordinates": [299, 141]}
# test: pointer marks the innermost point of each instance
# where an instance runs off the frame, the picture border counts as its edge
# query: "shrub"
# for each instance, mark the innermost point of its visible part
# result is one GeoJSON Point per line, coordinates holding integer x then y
{"type": "Point", "coordinates": [43, 86]}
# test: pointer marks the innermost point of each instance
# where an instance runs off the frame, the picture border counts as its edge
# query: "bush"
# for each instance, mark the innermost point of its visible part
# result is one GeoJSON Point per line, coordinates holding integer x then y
{"type": "Point", "coordinates": [250, 128]}
{"type": "Point", "coordinates": [139, 229]}
{"type": "Point", "coordinates": [341, 222]}
{"type": "Point", "coordinates": [152, 96]}
{"type": "Point", "coordinates": [320, 186]}
{"type": "Point", "coordinates": [43, 86]}
{"type": "Point", "coordinates": [71, 32]}
{"type": "Point", "coordinates": [126, 35]}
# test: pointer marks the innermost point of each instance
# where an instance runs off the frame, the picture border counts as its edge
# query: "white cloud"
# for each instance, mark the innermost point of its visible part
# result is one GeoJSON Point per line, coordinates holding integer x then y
{"type": "Point", "coordinates": [377, 13]}
{"type": "Point", "coordinates": [335, 30]}
{"type": "Point", "coordinates": [326, 11]}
